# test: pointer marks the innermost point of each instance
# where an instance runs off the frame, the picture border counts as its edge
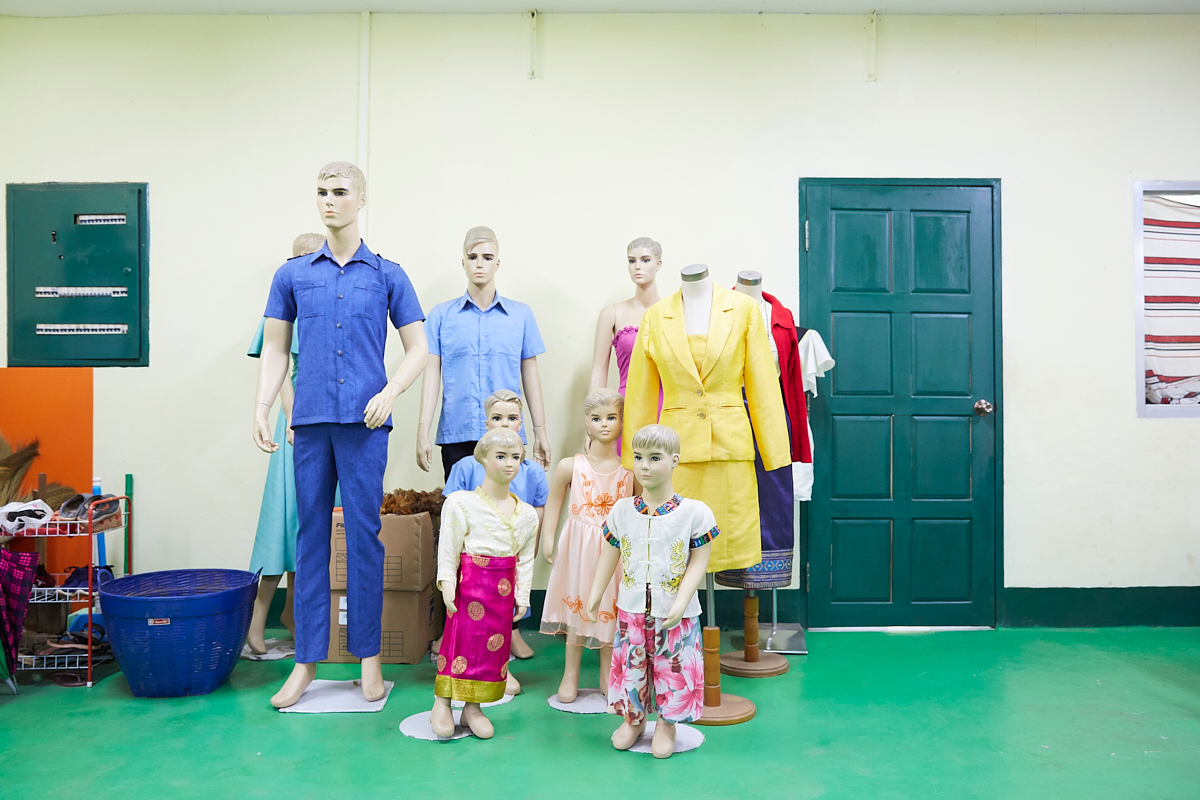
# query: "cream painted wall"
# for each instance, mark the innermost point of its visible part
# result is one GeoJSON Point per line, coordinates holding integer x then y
{"type": "Point", "coordinates": [691, 129]}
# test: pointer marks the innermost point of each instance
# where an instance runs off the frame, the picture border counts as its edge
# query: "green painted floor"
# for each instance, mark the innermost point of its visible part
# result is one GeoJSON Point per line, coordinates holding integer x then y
{"type": "Point", "coordinates": [1027, 713]}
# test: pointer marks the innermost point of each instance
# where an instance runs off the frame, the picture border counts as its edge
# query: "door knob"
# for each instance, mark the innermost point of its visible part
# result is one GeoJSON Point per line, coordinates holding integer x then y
{"type": "Point", "coordinates": [983, 408]}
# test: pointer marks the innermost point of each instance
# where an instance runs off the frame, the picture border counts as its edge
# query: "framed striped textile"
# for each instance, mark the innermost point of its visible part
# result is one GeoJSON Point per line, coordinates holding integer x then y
{"type": "Point", "coordinates": [1167, 263]}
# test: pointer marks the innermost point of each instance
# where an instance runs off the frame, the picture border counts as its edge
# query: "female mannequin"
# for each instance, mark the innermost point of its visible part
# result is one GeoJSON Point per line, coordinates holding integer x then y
{"type": "Point", "coordinates": [618, 324]}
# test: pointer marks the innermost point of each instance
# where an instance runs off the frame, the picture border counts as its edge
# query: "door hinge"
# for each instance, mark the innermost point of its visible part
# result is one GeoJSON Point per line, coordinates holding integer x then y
{"type": "Point", "coordinates": [807, 575]}
{"type": "Point", "coordinates": [806, 236]}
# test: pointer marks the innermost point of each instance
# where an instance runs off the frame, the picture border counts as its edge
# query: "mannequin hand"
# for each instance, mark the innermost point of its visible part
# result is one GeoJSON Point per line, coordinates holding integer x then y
{"type": "Point", "coordinates": [548, 554]}
{"type": "Point", "coordinates": [424, 450]}
{"type": "Point", "coordinates": [541, 451]}
{"type": "Point", "coordinates": [519, 613]}
{"type": "Point", "coordinates": [291, 436]}
{"type": "Point", "coordinates": [674, 618]}
{"type": "Point", "coordinates": [262, 433]}
{"type": "Point", "coordinates": [448, 597]}
{"type": "Point", "coordinates": [590, 612]}
{"type": "Point", "coordinates": [379, 407]}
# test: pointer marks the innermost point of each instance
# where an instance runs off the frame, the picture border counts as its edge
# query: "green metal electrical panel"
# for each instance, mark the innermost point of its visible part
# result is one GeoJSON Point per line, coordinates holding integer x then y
{"type": "Point", "coordinates": [78, 275]}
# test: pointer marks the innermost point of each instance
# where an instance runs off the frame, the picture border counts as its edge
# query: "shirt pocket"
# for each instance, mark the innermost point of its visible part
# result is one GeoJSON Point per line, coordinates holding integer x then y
{"type": "Point", "coordinates": [310, 298]}
{"type": "Point", "coordinates": [369, 300]}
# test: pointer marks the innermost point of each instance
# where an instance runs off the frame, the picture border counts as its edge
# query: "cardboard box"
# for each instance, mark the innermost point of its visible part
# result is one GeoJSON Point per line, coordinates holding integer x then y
{"type": "Point", "coordinates": [411, 620]}
{"type": "Point", "coordinates": [409, 562]}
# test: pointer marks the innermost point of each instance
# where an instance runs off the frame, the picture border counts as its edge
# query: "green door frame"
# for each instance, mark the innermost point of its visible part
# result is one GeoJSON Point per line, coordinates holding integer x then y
{"type": "Point", "coordinates": [994, 185]}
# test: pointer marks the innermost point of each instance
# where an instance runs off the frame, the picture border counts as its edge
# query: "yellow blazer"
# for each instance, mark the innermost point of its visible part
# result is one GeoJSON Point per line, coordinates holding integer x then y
{"type": "Point", "coordinates": [705, 406]}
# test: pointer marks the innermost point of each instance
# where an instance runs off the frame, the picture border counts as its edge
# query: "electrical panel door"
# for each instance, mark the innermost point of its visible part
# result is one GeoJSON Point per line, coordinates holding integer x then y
{"type": "Point", "coordinates": [77, 275]}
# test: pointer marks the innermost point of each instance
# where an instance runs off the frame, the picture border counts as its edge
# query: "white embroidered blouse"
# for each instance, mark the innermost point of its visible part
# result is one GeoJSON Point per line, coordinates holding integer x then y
{"type": "Point", "coordinates": [655, 546]}
{"type": "Point", "coordinates": [472, 524]}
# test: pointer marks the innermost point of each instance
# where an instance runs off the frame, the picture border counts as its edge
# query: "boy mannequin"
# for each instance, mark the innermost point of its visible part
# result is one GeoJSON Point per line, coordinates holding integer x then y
{"type": "Point", "coordinates": [675, 536]}
{"type": "Point", "coordinates": [503, 410]}
{"type": "Point", "coordinates": [483, 342]}
{"type": "Point", "coordinates": [342, 296]}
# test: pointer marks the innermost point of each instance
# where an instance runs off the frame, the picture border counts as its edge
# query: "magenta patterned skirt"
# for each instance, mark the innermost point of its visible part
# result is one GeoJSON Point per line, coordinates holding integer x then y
{"type": "Point", "coordinates": [473, 660]}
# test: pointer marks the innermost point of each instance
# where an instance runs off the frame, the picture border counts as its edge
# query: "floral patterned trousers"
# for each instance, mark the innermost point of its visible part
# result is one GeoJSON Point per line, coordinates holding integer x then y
{"type": "Point", "coordinates": [672, 660]}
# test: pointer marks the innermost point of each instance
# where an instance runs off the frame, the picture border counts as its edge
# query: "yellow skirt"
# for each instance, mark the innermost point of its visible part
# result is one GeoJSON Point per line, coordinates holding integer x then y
{"type": "Point", "coordinates": [730, 489]}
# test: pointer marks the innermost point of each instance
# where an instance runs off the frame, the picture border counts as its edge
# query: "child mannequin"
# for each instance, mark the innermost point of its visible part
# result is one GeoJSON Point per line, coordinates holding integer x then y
{"type": "Point", "coordinates": [662, 541]}
{"type": "Point", "coordinates": [502, 409]}
{"type": "Point", "coordinates": [488, 542]}
{"type": "Point", "coordinates": [595, 480]}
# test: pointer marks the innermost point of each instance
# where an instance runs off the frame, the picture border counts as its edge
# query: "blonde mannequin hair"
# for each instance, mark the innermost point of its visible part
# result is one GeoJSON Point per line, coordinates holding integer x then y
{"type": "Point", "coordinates": [307, 243]}
{"type": "Point", "coordinates": [656, 437]}
{"type": "Point", "coordinates": [500, 396]}
{"type": "Point", "coordinates": [344, 169]}
{"type": "Point", "coordinates": [645, 241]}
{"type": "Point", "coordinates": [480, 233]}
{"type": "Point", "coordinates": [500, 436]}
{"type": "Point", "coordinates": [604, 397]}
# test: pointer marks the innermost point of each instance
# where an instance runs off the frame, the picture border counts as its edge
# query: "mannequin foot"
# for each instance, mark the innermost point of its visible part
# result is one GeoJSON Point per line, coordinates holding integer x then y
{"type": "Point", "coordinates": [664, 739]}
{"type": "Point", "coordinates": [519, 648]}
{"type": "Point", "coordinates": [372, 679]}
{"type": "Point", "coordinates": [441, 719]}
{"type": "Point", "coordinates": [288, 619]}
{"type": "Point", "coordinates": [627, 735]}
{"type": "Point", "coordinates": [436, 646]}
{"type": "Point", "coordinates": [568, 690]}
{"type": "Point", "coordinates": [512, 685]}
{"type": "Point", "coordinates": [302, 675]}
{"type": "Point", "coordinates": [473, 718]}
{"type": "Point", "coordinates": [256, 642]}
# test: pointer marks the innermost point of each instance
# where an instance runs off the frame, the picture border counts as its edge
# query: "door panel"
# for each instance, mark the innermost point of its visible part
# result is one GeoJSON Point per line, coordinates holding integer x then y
{"type": "Point", "coordinates": [899, 279]}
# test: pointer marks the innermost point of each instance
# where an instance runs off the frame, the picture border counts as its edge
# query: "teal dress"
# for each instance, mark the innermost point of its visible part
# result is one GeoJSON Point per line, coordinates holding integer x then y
{"type": "Point", "coordinates": [275, 541]}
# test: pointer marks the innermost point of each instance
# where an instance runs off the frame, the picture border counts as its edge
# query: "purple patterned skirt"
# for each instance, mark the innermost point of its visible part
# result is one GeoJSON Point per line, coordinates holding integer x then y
{"type": "Point", "coordinates": [473, 661]}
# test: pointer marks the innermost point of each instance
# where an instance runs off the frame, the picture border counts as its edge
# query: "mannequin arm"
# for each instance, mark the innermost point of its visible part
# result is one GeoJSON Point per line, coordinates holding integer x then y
{"type": "Point", "coordinates": [602, 349]}
{"type": "Point", "coordinates": [287, 397]}
{"type": "Point", "coordinates": [559, 484]}
{"type": "Point", "coordinates": [272, 371]}
{"type": "Point", "coordinates": [416, 350]}
{"type": "Point", "coordinates": [641, 392]}
{"type": "Point", "coordinates": [531, 382]}
{"type": "Point", "coordinates": [609, 558]}
{"type": "Point", "coordinates": [692, 576]}
{"type": "Point", "coordinates": [431, 387]}
{"type": "Point", "coordinates": [450, 547]}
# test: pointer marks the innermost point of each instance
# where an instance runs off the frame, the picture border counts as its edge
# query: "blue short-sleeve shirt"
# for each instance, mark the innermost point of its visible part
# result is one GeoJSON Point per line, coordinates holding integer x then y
{"type": "Point", "coordinates": [481, 352]}
{"type": "Point", "coordinates": [529, 485]}
{"type": "Point", "coordinates": [341, 315]}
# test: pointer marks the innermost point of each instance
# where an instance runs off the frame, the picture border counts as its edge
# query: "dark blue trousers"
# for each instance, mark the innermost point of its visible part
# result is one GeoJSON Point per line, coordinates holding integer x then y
{"type": "Point", "coordinates": [329, 454]}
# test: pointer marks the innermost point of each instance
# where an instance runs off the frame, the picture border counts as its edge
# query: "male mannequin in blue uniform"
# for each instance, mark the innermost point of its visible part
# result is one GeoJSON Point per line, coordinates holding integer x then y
{"type": "Point", "coordinates": [341, 298]}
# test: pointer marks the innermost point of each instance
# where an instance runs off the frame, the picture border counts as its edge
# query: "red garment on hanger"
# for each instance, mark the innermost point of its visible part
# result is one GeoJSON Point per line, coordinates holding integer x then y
{"type": "Point", "coordinates": [783, 328]}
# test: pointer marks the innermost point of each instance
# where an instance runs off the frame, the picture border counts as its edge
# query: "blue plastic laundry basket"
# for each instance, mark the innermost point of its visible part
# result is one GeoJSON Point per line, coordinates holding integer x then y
{"type": "Point", "coordinates": [178, 632]}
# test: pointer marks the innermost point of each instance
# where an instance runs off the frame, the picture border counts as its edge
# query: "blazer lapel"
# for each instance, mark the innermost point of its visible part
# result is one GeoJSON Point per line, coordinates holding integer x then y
{"type": "Point", "coordinates": [676, 333]}
{"type": "Point", "coordinates": [719, 326]}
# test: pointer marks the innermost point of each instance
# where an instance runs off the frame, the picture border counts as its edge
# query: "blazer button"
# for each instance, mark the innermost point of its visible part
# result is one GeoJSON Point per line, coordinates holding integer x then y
{"type": "Point", "coordinates": [699, 393]}
{"type": "Point", "coordinates": [700, 415]}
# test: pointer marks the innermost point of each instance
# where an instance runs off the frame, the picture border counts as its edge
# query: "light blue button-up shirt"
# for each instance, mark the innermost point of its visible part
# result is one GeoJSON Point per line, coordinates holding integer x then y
{"type": "Point", "coordinates": [481, 351]}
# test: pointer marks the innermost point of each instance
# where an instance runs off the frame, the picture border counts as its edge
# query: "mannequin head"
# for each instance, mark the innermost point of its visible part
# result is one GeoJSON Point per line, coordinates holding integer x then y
{"type": "Point", "coordinates": [655, 456]}
{"type": "Point", "coordinates": [481, 256]}
{"type": "Point", "coordinates": [307, 243]}
{"type": "Point", "coordinates": [694, 273]}
{"type": "Point", "coordinates": [749, 283]}
{"type": "Point", "coordinates": [645, 260]}
{"type": "Point", "coordinates": [603, 411]}
{"type": "Point", "coordinates": [341, 192]}
{"type": "Point", "coordinates": [501, 452]}
{"type": "Point", "coordinates": [502, 409]}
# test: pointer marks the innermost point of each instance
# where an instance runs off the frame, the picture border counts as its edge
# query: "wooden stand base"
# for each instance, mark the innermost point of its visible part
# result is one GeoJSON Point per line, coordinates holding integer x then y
{"type": "Point", "coordinates": [768, 665]}
{"type": "Point", "coordinates": [720, 708]}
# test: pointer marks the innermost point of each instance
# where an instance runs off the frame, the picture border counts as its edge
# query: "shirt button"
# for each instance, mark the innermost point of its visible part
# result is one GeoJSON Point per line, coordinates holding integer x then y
{"type": "Point", "coordinates": [341, 380]}
{"type": "Point", "coordinates": [700, 415]}
{"type": "Point", "coordinates": [343, 272]}
{"type": "Point", "coordinates": [339, 324]}
{"type": "Point", "coordinates": [339, 352]}
{"type": "Point", "coordinates": [339, 297]}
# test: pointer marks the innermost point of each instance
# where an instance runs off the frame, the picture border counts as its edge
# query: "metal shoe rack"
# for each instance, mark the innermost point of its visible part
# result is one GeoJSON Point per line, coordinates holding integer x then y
{"type": "Point", "coordinates": [120, 523]}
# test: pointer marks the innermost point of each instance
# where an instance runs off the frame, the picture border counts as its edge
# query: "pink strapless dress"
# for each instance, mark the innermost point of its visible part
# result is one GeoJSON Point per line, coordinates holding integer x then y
{"type": "Point", "coordinates": [623, 344]}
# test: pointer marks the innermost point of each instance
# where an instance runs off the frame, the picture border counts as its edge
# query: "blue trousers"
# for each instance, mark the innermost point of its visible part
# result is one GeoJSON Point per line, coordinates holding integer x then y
{"type": "Point", "coordinates": [326, 455]}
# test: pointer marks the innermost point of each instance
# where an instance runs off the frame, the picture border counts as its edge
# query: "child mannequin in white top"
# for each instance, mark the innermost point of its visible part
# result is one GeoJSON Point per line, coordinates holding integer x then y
{"type": "Point", "coordinates": [663, 543]}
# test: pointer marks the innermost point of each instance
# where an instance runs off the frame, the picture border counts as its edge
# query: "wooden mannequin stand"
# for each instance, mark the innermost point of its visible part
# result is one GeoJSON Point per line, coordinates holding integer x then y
{"type": "Point", "coordinates": [751, 662]}
{"type": "Point", "coordinates": [719, 708]}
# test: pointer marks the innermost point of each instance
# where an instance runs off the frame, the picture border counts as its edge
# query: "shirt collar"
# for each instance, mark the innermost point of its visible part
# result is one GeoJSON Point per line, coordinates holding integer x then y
{"type": "Point", "coordinates": [664, 509]}
{"type": "Point", "coordinates": [363, 254]}
{"type": "Point", "coordinates": [497, 302]}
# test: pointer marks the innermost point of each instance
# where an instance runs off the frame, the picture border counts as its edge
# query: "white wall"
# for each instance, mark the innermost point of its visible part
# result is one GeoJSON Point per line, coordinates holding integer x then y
{"type": "Point", "coordinates": [691, 129]}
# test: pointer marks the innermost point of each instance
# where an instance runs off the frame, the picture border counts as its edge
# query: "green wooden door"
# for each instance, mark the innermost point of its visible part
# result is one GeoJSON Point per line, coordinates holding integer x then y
{"type": "Point", "coordinates": [900, 280]}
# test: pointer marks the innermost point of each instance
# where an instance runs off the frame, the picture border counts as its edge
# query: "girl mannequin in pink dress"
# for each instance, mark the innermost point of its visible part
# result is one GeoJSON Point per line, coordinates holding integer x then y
{"type": "Point", "coordinates": [595, 481]}
{"type": "Point", "coordinates": [618, 324]}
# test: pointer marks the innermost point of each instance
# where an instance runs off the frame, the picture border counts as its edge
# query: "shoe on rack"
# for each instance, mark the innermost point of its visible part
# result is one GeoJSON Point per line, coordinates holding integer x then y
{"type": "Point", "coordinates": [43, 579]}
{"type": "Point", "coordinates": [103, 507]}
{"type": "Point", "coordinates": [70, 508]}
{"type": "Point", "coordinates": [77, 577]}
